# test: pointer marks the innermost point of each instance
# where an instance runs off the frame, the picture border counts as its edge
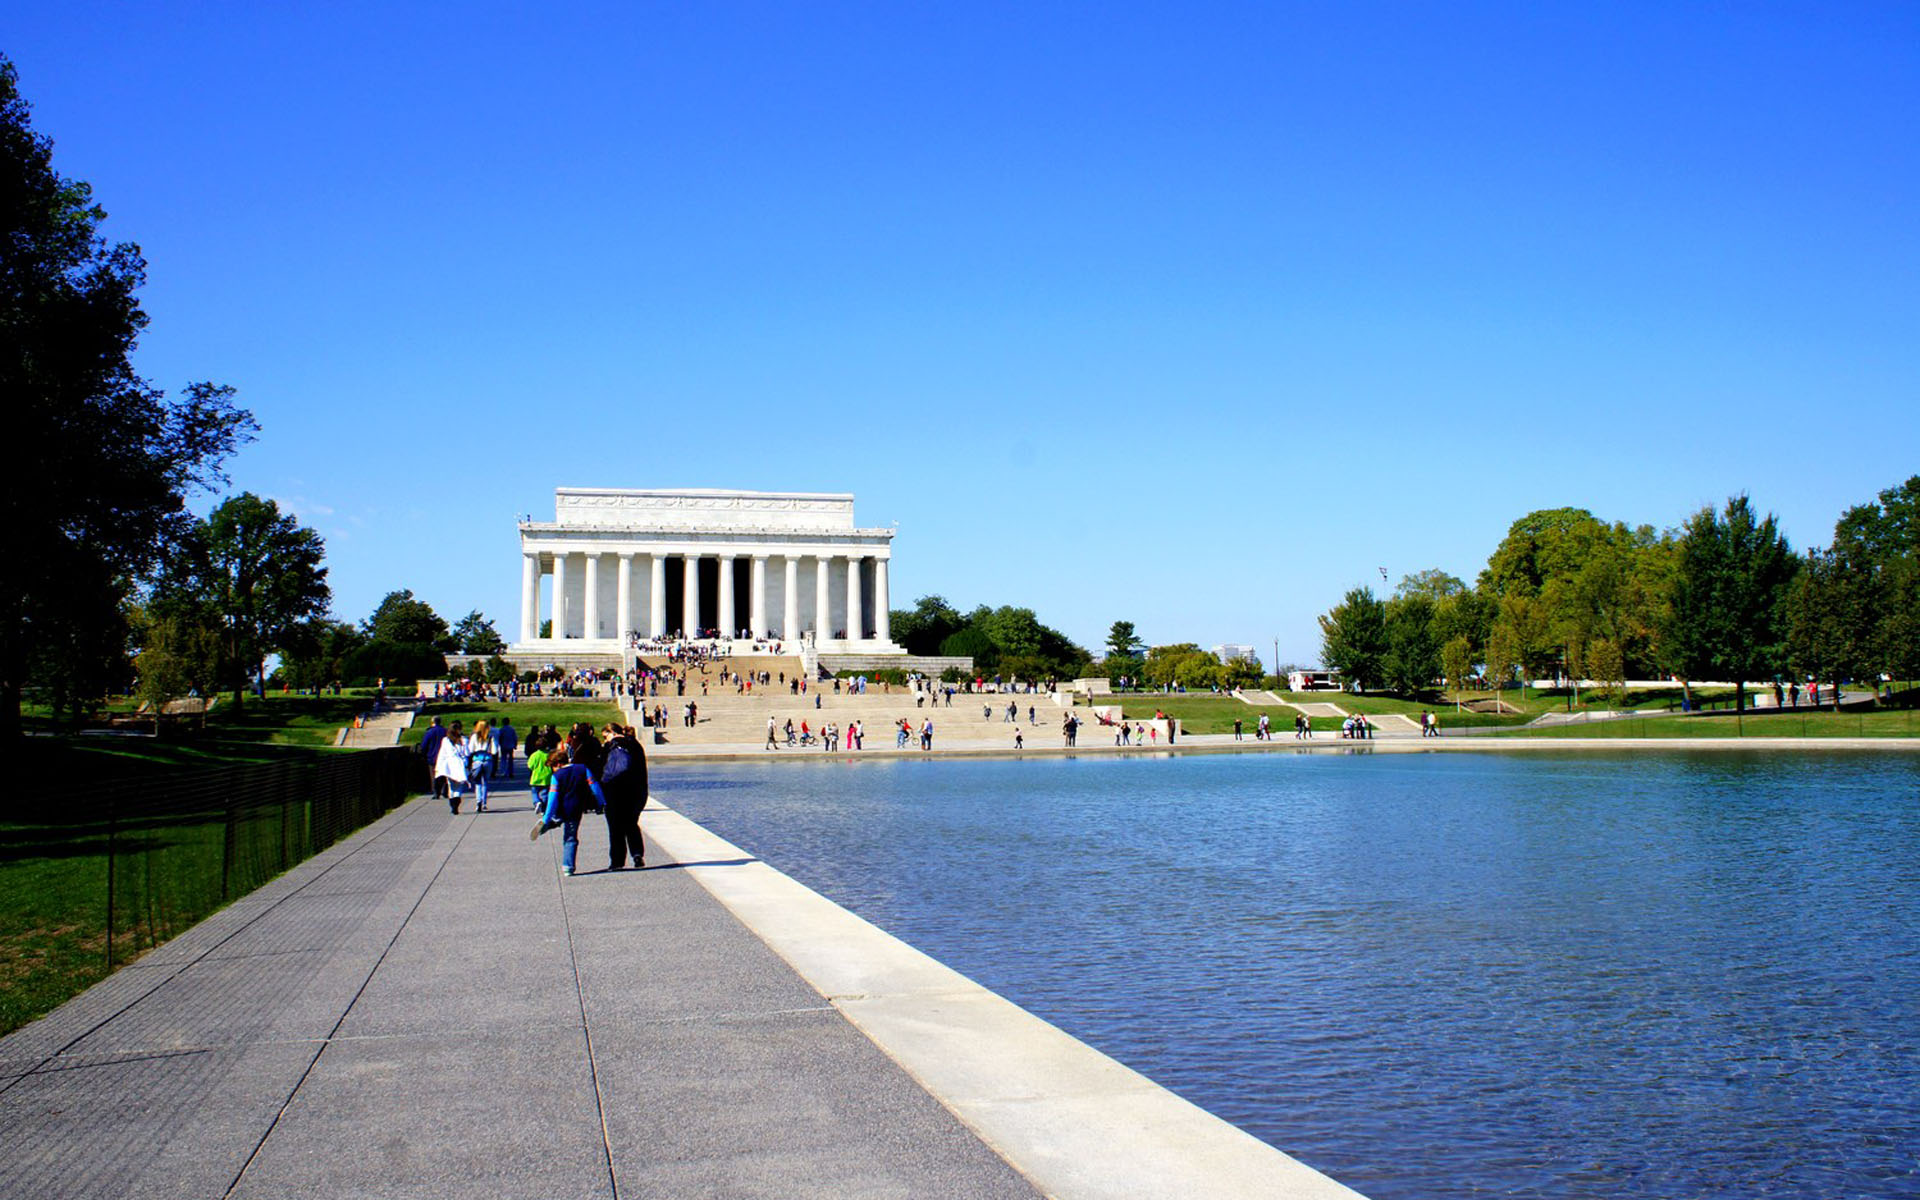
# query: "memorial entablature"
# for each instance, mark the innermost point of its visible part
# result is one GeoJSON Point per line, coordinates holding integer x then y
{"type": "Point", "coordinates": [784, 569]}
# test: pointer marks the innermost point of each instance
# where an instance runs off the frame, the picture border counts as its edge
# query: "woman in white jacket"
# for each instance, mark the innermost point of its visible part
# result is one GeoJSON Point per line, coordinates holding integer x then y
{"type": "Point", "coordinates": [452, 766]}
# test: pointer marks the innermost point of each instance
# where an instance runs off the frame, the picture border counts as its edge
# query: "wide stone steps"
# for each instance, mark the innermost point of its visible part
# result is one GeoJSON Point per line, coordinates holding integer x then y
{"type": "Point", "coordinates": [729, 718]}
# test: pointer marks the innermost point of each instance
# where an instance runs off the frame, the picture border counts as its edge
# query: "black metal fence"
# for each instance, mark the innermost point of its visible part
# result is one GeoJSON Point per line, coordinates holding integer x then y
{"type": "Point", "coordinates": [177, 849]}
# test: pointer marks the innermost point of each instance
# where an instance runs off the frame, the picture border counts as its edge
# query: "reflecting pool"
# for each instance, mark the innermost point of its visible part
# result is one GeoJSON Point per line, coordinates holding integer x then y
{"type": "Point", "coordinates": [1429, 975]}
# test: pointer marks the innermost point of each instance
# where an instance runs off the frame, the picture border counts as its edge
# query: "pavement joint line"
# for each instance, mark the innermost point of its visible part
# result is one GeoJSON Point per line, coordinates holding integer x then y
{"type": "Point", "coordinates": [346, 1009]}
{"type": "Point", "coordinates": [586, 1033]}
{"type": "Point", "coordinates": [178, 969]}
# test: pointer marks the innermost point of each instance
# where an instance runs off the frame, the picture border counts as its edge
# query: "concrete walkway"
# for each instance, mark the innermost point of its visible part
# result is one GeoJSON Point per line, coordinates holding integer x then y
{"type": "Point", "coordinates": [428, 1009]}
{"type": "Point", "coordinates": [425, 1010]}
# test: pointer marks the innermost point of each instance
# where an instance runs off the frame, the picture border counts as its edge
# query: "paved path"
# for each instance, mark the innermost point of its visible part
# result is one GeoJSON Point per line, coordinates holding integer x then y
{"type": "Point", "coordinates": [425, 1010]}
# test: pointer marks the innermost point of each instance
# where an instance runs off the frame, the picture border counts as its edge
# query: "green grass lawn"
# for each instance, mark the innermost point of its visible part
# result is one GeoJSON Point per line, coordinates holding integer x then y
{"type": "Point", "coordinates": [169, 872]}
{"type": "Point", "coordinates": [1803, 723]}
{"type": "Point", "coordinates": [1215, 714]}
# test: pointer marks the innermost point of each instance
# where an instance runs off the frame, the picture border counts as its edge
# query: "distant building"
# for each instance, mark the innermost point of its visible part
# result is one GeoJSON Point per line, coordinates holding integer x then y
{"type": "Point", "coordinates": [1229, 652]}
{"type": "Point", "coordinates": [1313, 681]}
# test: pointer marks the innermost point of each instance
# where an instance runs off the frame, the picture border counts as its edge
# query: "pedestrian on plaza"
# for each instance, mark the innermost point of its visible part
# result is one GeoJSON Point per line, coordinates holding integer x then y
{"type": "Point", "coordinates": [450, 765]}
{"type": "Point", "coordinates": [623, 784]}
{"type": "Point", "coordinates": [508, 739]}
{"type": "Point", "coordinates": [1236, 729]}
{"type": "Point", "coordinates": [430, 750]}
{"type": "Point", "coordinates": [771, 744]}
{"type": "Point", "coordinates": [575, 791]}
{"type": "Point", "coordinates": [482, 749]}
{"type": "Point", "coordinates": [926, 734]}
{"type": "Point", "coordinates": [539, 774]}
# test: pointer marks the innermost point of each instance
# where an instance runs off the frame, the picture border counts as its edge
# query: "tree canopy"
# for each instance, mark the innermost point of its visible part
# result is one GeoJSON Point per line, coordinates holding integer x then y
{"type": "Point", "coordinates": [102, 496]}
{"type": "Point", "coordinates": [1729, 617]}
{"type": "Point", "coordinates": [401, 619]}
{"type": "Point", "coordinates": [1353, 639]}
{"type": "Point", "coordinates": [474, 634]}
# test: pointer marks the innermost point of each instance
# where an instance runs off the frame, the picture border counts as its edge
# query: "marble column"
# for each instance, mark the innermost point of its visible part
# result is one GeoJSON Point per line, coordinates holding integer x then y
{"type": "Point", "coordinates": [882, 619]}
{"type": "Point", "coordinates": [529, 596]}
{"type": "Point", "coordinates": [690, 598]}
{"type": "Point", "coordinates": [822, 612]}
{"type": "Point", "coordinates": [559, 594]}
{"type": "Point", "coordinates": [657, 596]}
{"type": "Point", "coordinates": [790, 626]}
{"type": "Point", "coordinates": [729, 623]}
{"type": "Point", "coordinates": [855, 618]}
{"type": "Point", "coordinates": [757, 603]}
{"type": "Point", "coordinates": [623, 601]}
{"type": "Point", "coordinates": [590, 607]}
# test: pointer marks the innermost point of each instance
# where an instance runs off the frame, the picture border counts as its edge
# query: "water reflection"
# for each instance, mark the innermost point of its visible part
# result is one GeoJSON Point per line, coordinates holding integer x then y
{"type": "Point", "coordinates": [1435, 975]}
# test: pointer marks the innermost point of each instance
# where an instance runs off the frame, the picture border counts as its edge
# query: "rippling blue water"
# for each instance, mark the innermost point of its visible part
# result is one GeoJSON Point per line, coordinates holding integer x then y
{"type": "Point", "coordinates": [1671, 975]}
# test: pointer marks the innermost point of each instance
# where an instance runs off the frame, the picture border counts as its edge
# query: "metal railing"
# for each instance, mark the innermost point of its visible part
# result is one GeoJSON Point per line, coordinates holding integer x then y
{"type": "Point", "coordinates": [179, 848]}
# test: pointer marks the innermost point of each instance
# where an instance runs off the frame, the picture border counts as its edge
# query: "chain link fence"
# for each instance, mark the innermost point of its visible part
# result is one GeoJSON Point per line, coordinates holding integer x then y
{"type": "Point", "coordinates": [176, 849]}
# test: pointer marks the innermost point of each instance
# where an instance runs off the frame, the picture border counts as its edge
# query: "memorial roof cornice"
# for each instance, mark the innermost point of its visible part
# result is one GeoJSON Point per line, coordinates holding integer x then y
{"type": "Point", "coordinates": [780, 532]}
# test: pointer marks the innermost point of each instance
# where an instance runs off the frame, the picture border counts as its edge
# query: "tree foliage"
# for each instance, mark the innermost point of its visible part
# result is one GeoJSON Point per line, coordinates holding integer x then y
{"type": "Point", "coordinates": [259, 572]}
{"type": "Point", "coordinates": [1854, 612]}
{"type": "Point", "coordinates": [1728, 619]}
{"type": "Point", "coordinates": [401, 619]}
{"type": "Point", "coordinates": [95, 504]}
{"type": "Point", "coordinates": [922, 628]}
{"type": "Point", "coordinates": [1353, 639]}
{"type": "Point", "coordinates": [1411, 661]}
{"type": "Point", "coordinates": [474, 634]}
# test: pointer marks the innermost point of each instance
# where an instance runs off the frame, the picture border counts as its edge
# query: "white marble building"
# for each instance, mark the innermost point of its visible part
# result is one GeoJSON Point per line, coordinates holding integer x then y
{"type": "Point", "coordinates": [789, 567]}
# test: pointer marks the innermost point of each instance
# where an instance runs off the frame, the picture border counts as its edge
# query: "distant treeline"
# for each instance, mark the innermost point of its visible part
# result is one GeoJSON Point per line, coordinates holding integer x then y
{"type": "Point", "coordinates": [1723, 597]}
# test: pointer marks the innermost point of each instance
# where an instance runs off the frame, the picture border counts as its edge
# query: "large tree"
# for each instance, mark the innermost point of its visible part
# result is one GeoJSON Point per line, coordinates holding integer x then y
{"type": "Point", "coordinates": [1855, 609]}
{"type": "Point", "coordinates": [1833, 611]}
{"type": "Point", "coordinates": [99, 496]}
{"type": "Point", "coordinates": [252, 572]}
{"type": "Point", "coordinates": [928, 623]}
{"type": "Point", "coordinates": [402, 620]}
{"type": "Point", "coordinates": [1412, 659]}
{"type": "Point", "coordinates": [476, 635]}
{"type": "Point", "coordinates": [1353, 639]}
{"type": "Point", "coordinates": [1730, 587]}
{"type": "Point", "coordinates": [267, 578]}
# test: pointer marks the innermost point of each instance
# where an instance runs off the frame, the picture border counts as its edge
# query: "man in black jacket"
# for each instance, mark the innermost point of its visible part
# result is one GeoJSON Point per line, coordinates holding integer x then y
{"type": "Point", "coordinates": [430, 750]}
{"type": "Point", "coordinates": [623, 780]}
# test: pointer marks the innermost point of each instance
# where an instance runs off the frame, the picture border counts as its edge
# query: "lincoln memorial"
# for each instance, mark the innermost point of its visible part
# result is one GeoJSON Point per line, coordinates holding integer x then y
{"type": "Point", "coordinates": [656, 563]}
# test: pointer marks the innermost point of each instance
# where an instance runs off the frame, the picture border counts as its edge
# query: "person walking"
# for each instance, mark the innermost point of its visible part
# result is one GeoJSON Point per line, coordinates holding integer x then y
{"type": "Point", "coordinates": [450, 765]}
{"type": "Point", "coordinates": [539, 774]}
{"type": "Point", "coordinates": [575, 790]}
{"type": "Point", "coordinates": [623, 782]}
{"type": "Point", "coordinates": [508, 740]}
{"type": "Point", "coordinates": [482, 749]}
{"type": "Point", "coordinates": [430, 750]}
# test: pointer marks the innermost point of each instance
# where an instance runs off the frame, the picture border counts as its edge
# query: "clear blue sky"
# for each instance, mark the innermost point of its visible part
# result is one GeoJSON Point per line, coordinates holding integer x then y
{"type": "Point", "coordinates": [1194, 315]}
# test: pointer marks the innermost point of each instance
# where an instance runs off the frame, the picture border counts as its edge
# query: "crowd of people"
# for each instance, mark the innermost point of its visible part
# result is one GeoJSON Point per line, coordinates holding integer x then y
{"type": "Point", "coordinates": [568, 776]}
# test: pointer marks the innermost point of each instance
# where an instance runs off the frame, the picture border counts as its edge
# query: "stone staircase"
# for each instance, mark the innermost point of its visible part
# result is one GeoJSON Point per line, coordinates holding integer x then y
{"type": "Point", "coordinates": [377, 729]}
{"type": "Point", "coordinates": [730, 718]}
